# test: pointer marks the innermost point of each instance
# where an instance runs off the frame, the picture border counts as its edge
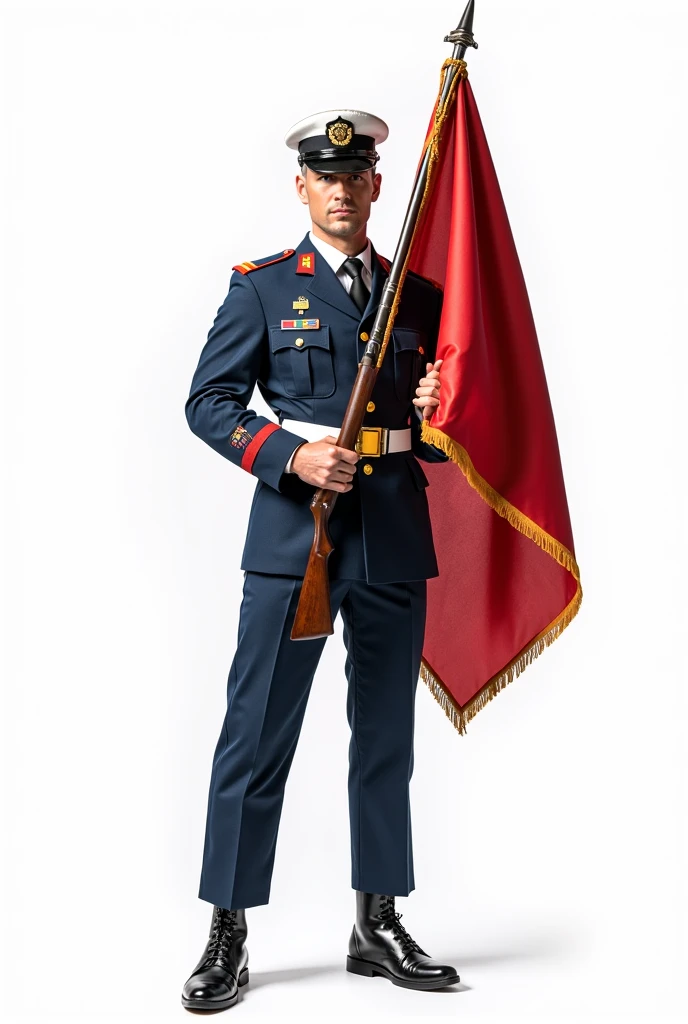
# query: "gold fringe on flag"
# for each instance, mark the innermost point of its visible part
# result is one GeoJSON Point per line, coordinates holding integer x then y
{"type": "Point", "coordinates": [460, 716]}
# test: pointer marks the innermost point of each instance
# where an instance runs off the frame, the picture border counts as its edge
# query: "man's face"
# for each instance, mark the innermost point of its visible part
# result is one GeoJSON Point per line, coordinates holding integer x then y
{"type": "Point", "coordinates": [338, 203]}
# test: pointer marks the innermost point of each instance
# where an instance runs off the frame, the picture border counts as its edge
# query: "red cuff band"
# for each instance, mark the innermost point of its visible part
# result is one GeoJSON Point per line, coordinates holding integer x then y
{"type": "Point", "coordinates": [256, 444]}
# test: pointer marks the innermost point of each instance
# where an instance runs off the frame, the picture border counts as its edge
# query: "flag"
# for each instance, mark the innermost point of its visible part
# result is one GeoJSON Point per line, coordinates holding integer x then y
{"type": "Point", "coordinates": [508, 580]}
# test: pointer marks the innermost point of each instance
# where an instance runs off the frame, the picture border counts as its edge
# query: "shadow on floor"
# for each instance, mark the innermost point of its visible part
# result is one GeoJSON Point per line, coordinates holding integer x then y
{"type": "Point", "coordinates": [258, 979]}
{"type": "Point", "coordinates": [544, 946]}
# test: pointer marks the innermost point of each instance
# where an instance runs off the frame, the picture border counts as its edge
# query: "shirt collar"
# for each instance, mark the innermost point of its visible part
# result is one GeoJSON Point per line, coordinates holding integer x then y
{"type": "Point", "coordinates": [336, 258]}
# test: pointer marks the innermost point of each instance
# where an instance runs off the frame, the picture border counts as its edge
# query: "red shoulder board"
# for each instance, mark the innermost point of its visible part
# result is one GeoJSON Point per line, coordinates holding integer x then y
{"type": "Point", "coordinates": [246, 267]}
{"type": "Point", "coordinates": [385, 262]}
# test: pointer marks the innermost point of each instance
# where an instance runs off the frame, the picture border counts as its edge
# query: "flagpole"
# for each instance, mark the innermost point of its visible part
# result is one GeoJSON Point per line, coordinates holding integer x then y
{"type": "Point", "coordinates": [313, 616]}
{"type": "Point", "coordinates": [462, 37]}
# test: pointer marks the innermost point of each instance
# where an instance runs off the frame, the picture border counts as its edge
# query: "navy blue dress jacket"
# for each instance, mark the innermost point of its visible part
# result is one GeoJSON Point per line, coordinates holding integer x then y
{"type": "Point", "coordinates": [380, 528]}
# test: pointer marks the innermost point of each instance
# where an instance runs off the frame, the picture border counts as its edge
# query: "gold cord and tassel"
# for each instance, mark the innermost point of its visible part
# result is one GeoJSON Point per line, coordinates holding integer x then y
{"type": "Point", "coordinates": [432, 144]}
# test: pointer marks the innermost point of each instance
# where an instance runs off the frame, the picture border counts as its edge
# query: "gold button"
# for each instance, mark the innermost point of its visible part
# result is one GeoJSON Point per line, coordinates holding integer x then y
{"type": "Point", "coordinates": [299, 342]}
{"type": "Point", "coordinates": [364, 336]}
{"type": "Point", "coordinates": [421, 350]}
{"type": "Point", "coordinates": [370, 407]}
{"type": "Point", "coordinates": [367, 469]}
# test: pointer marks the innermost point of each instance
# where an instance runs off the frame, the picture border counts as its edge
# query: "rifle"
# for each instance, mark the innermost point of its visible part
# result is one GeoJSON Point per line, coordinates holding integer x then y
{"type": "Point", "coordinates": [314, 613]}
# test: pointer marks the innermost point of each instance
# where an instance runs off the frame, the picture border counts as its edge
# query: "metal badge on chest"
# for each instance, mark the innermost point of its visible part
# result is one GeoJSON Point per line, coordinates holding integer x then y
{"type": "Point", "coordinates": [301, 305]}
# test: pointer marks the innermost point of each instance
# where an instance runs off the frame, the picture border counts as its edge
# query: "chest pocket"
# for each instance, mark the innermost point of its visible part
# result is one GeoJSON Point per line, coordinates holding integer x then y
{"type": "Point", "coordinates": [302, 361]}
{"type": "Point", "coordinates": [408, 361]}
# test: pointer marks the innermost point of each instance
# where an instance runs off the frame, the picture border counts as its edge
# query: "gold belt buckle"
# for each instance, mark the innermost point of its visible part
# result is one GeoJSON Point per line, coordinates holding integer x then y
{"type": "Point", "coordinates": [372, 441]}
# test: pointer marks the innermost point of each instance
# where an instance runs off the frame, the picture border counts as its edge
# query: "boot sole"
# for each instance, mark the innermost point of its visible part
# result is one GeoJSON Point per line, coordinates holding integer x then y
{"type": "Point", "coordinates": [216, 1004]}
{"type": "Point", "coordinates": [367, 969]}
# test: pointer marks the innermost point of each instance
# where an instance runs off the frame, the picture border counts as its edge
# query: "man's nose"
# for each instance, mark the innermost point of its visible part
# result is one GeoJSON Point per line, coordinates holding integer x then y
{"type": "Point", "coordinates": [342, 192]}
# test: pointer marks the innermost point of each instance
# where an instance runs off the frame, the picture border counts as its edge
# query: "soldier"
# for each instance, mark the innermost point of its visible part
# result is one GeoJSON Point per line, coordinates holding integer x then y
{"type": "Point", "coordinates": [296, 323]}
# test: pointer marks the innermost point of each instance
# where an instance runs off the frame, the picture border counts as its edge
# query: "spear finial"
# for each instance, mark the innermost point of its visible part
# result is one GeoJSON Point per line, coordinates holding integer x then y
{"type": "Point", "coordinates": [463, 33]}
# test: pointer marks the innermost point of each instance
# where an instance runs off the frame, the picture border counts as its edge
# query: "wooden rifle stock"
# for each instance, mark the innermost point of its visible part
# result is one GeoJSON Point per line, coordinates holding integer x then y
{"type": "Point", "coordinates": [314, 614]}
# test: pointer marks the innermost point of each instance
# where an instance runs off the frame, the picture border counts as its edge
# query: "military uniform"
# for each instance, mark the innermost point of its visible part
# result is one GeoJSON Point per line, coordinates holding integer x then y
{"type": "Point", "coordinates": [306, 374]}
{"type": "Point", "coordinates": [289, 326]}
{"type": "Point", "coordinates": [383, 555]}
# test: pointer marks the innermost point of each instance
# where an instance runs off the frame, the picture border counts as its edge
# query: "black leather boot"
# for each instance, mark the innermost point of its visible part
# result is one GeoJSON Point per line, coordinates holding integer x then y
{"type": "Point", "coordinates": [380, 944]}
{"type": "Point", "coordinates": [215, 981]}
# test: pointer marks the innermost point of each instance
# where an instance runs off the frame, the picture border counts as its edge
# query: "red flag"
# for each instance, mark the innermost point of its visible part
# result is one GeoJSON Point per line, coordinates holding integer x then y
{"type": "Point", "coordinates": [509, 583]}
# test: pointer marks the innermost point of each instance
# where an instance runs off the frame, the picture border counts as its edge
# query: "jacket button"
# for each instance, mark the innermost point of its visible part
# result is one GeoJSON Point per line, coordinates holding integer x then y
{"type": "Point", "coordinates": [370, 407]}
{"type": "Point", "coordinates": [299, 342]}
{"type": "Point", "coordinates": [367, 469]}
{"type": "Point", "coordinates": [363, 336]}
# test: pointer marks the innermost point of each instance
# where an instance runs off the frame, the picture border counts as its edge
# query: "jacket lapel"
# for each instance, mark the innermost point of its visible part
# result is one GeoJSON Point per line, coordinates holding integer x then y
{"type": "Point", "coordinates": [325, 284]}
{"type": "Point", "coordinates": [379, 277]}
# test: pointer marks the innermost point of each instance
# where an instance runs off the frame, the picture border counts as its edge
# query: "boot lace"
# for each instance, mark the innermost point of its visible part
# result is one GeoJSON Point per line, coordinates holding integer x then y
{"type": "Point", "coordinates": [389, 914]}
{"type": "Point", "coordinates": [221, 934]}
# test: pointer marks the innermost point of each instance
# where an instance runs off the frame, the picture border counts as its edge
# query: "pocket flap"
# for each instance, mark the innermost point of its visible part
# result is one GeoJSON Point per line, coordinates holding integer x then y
{"type": "Point", "coordinates": [314, 338]}
{"type": "Point", "coordinates": [407, 338]}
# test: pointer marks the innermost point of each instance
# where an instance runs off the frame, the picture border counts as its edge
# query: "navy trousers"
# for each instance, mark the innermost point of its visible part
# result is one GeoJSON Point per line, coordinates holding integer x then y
{"type": "Point", "coordinates": [267, 692]}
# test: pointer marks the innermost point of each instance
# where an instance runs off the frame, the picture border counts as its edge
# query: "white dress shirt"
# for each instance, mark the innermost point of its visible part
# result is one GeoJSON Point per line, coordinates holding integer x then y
{"type": "Point", "coordinates": [336, 258]}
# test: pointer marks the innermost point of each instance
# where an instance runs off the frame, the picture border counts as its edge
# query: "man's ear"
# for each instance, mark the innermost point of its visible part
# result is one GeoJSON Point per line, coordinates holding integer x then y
{"type": "Point", "coordinates": [301, 190]}
{"type": "Point", "coordinates": [377, 182]}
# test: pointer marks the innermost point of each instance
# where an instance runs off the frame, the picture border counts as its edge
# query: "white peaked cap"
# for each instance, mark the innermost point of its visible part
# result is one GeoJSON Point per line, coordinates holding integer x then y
{"type": "Point", "coordinates": [339, 139]}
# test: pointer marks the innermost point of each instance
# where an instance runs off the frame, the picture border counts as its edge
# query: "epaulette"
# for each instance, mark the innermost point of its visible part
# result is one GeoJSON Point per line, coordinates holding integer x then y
{"type": "Point", "coordinates": [247, 266]}
{"type": "Point", "coordinates": [426, 280]}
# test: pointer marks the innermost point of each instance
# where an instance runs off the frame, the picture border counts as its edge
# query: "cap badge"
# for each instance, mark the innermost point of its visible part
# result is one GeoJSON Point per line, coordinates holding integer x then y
{"type": "Point", "coordinates": [340, 133]}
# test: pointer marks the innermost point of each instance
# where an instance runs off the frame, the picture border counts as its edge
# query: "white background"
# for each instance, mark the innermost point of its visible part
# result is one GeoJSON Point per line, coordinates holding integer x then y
{"type": "Point", "coordinates": [143, 156]}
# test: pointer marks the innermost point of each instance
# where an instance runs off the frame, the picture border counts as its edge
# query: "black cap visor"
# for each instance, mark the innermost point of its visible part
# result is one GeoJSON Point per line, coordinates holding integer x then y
{"type": "Point", "coordinates": [339, 165]}
{"type": "Point", "coordinates": [321, 156]}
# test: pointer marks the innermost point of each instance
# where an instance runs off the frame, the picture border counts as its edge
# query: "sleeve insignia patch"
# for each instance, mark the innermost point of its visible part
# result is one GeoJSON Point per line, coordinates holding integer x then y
{"type": "Point", "coordinates": [240, 438]}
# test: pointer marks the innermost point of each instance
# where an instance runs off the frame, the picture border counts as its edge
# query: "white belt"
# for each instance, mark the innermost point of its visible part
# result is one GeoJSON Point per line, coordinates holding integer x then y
{"type": "Point", "coordinates": [371, 441]}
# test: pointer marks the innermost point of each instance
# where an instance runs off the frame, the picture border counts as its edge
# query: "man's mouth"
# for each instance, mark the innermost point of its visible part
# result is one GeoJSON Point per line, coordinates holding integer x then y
{"type": "Point", "coordinates": [343, 209]}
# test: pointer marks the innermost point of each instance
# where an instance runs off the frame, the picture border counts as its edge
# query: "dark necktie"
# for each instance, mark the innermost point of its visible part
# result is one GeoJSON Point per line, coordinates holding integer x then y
{"type": "Point", "coordinates": [359, 293]}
